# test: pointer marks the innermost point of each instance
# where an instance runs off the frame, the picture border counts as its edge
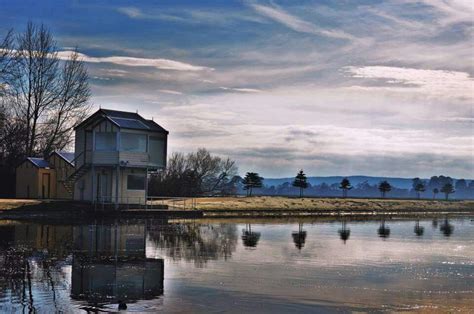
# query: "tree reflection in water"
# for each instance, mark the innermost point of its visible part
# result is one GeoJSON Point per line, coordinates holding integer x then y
{"type": "Point", "coordinates": [344, 232]}
{"type": "Point", "coordinates": [434, 223]}
{"type": "Point", "coordinates": [30, 261]}
{"type": "Point", "coordinates": [249, 238]}
{"type": "Point", "coordinates": [299, 237]}
{"type": "Point", "coordinates": [198, 243]}
{"type": "Point", "coordinates": [446, 228]}
{"type": "Point", "coordinates": [383, 231]}
{"type": "Point", "coordinates": [419, 230]}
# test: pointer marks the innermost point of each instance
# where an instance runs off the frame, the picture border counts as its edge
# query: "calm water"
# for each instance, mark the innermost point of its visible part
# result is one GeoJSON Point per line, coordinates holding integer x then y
{"type": "Point", "coordinates": [234, 266]}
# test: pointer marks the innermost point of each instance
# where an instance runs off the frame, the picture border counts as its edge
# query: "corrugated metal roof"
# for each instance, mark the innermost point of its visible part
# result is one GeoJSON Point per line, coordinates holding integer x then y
{"type": "Point", "coordinates": [39, 162]}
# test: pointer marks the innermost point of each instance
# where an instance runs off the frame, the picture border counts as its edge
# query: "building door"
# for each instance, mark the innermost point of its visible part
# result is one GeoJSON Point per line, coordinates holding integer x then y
{"type": "Point", "coordinates": [45, 186]}
{"type": "Point", "coordinates": [102, 187]}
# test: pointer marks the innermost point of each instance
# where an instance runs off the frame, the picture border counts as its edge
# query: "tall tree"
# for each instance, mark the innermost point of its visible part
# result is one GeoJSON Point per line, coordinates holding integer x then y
{"type": "Point", "coordinates": [419, 187]}
{"type": "Point", "coordinates": [197, 173]}
{"type": "Point", "coordinates": [6, 61]}
{"type": "Point", "coordinates": [435, 192]}
{"type": "Point", "coordinates": [48, 96]}
{"type": "Point", "coordinates": [345, 186]}
{"type": "Point", "coordinates": [252, 180]}
{"type": "Point", "coordinates": [301, 181]}
{"type": "Point", "coordinates": [447, 189]}
{"type": "Point", "coordinates": [384, 188]}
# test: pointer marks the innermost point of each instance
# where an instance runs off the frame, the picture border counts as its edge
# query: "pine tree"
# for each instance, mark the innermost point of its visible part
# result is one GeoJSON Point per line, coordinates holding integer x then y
{"type": "Point", "coordinates": [345, 186]}
{"type": "Point", "coordinates": [435, 192]}
{"type": "Point", "coordinates": [384, 187]}
{"type": "Point", "coordinates": [301, 182]}
{"type": "Point", "coordinates": [252, 180]}
{"type": "Point", "coordinates": [447, 189]}
{"type": "Point", "coordinates": [419, 188]}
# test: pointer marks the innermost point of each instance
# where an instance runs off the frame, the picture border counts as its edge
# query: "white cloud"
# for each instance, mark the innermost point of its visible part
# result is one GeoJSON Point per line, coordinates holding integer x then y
{"type": "Point", "coordinates": [163, 64]}
{"type": "Point", "coordinates": [452, 11]}
{"type": "Point", "coordinates": [131, 12]}
{"type": "Point", "coordinates": [431, 82]}
{"type": "Point", "coordinates": [242, 90]}
{"type": "Point", "coordinates": [169, 91]}
{"type": "Point", "coordinates": [297, 24]}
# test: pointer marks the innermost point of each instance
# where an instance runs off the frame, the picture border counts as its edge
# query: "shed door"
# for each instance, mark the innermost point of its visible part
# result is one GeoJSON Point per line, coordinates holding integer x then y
{"type": "Point", "coordinates": [45, 185]}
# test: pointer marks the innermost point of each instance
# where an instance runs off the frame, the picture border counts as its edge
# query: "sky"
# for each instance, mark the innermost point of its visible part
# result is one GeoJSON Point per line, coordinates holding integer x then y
{"type": "Point", "coordinates": [381, 88]}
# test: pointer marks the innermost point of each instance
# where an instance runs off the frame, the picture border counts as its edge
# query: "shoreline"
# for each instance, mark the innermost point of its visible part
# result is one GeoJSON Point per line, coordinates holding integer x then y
{"type": "Point", "coordinates": [243, 207]}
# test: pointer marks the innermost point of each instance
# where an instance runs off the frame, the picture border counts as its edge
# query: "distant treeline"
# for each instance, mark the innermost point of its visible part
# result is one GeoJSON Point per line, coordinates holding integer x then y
{"type": "Point", "coordinates": [463, 189]}
{"type": "Point", "coordinates": [203, 174]}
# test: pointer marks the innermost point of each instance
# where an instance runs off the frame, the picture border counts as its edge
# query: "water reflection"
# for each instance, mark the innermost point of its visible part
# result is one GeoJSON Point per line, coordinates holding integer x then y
{"type": "Point", "coordinates": [446, 228]}
{"type": "Point", "coordinates": [419, 230]}
{"type": "Point", "coordinates": [299, 237]}
{"type": "Point", "coordinates": [194, 242]}
{"type": "Point", "coordinates": [344, 232]}
{"type": "Point", "coordinates": [383, 231]}
{"type": "Point", "coordinates": [109, 265]}
{"type": "Point", "coordinates": [250, 238]}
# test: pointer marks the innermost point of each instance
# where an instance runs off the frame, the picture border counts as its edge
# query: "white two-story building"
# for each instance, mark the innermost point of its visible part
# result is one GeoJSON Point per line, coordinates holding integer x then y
{"type": "Point", "coordinates": [114, 151]}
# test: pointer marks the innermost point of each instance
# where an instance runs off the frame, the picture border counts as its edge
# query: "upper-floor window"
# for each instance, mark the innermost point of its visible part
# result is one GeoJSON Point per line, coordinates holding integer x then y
{"type": "Point", "coordinates": [105, 141]}
{"type": "Point", "coordinates": [157, 150]}
{"type": "Point", "coordinates": [132, 142]}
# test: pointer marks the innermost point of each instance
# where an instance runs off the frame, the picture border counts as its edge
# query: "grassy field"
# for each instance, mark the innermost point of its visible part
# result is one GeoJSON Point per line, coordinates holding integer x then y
{"type": "Point", "coordinates": [325, 204]}
{"type": "Point", "coordinates": [12, 203]}
{"type": "Point", "coordinates": [270, 206]}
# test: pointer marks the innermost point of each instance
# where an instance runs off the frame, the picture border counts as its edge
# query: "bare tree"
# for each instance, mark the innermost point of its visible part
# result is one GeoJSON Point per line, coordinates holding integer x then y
{"type": "Point", "coordinates": [68, 111]}
{"type": "Point", "coordinates": [6, 60]}
{"type": "Point", "coordinates": [48, 96]}
{"type": "Point", "coordinates": [196, 173]}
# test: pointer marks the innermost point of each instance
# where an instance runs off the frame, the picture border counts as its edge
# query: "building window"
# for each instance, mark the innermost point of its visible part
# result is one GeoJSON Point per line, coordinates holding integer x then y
{"type": "Point", "coordinates": [131, 142]}
{"type": "Point", "coordinates": [135, 182]}
{"type": "Point", "coordinates": [157, 150]}
{"type": "Point", "coordinates": [105, 141]}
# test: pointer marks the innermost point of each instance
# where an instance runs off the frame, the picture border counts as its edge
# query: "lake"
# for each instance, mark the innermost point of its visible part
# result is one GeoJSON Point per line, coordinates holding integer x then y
{"type": "Point", "coordinates": [273, 266]}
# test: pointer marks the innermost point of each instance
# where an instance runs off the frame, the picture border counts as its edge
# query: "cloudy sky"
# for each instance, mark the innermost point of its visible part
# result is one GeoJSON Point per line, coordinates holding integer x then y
{"type": "Point", "coordinates": [333, 87]}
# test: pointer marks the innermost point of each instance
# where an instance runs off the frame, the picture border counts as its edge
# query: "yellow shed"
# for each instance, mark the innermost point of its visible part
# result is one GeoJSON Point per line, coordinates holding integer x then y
{"type": "Point", "coordinates": [35, 179]}
{"type": "Point", "coordinates": [63, 165]}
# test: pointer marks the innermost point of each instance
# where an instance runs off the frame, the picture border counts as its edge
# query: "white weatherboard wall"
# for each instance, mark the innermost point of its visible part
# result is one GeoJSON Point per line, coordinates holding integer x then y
{"type": "Point", "coordinates": [125, 195]}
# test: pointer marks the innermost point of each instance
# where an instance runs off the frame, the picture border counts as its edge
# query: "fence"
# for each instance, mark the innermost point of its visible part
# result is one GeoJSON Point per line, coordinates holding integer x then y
{"type": "Point", "coordinates": [148, 203]}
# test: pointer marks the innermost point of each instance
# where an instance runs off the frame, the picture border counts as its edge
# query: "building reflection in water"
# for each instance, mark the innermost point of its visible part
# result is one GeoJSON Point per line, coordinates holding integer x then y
{"type": "Point", "coordinates": [299, 237]}
{"type": "Point", "coordinates": [383, 231]}
{"type": "Point", "coordinates": [250, 238]}
{"type": "Point", "coordinates": [110, 265]}
{"type": "Point", "coordinates": [344, 232]}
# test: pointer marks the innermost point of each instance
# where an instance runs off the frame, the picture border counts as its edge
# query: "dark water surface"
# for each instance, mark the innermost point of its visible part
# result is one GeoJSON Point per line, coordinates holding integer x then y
{"type": "Point", "coordinates": [233, 266]}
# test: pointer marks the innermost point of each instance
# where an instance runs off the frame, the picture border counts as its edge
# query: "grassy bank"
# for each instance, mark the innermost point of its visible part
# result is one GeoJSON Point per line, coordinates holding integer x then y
{"type": "Point", "coordinates": [278, 203]}
{"type": "Point", "coordinates": [247, 207]}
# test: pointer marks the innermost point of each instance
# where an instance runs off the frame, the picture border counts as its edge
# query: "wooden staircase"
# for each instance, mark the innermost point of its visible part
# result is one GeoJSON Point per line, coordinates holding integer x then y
{"type": "Point", "coordinates": [76, 175]}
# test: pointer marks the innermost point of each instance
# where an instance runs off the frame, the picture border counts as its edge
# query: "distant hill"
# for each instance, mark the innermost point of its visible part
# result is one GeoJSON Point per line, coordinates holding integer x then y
{"type": "Point", "coordinates": [402, 183]}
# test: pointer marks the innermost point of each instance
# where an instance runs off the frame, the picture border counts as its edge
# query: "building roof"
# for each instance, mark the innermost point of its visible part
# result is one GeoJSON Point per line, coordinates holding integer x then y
{"type": "Point", "coordinates": [39, 162]}
{"type": "Point", "coordinates": [68, 156]}
{"type": "Point", "coordinates": [126, 120]}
